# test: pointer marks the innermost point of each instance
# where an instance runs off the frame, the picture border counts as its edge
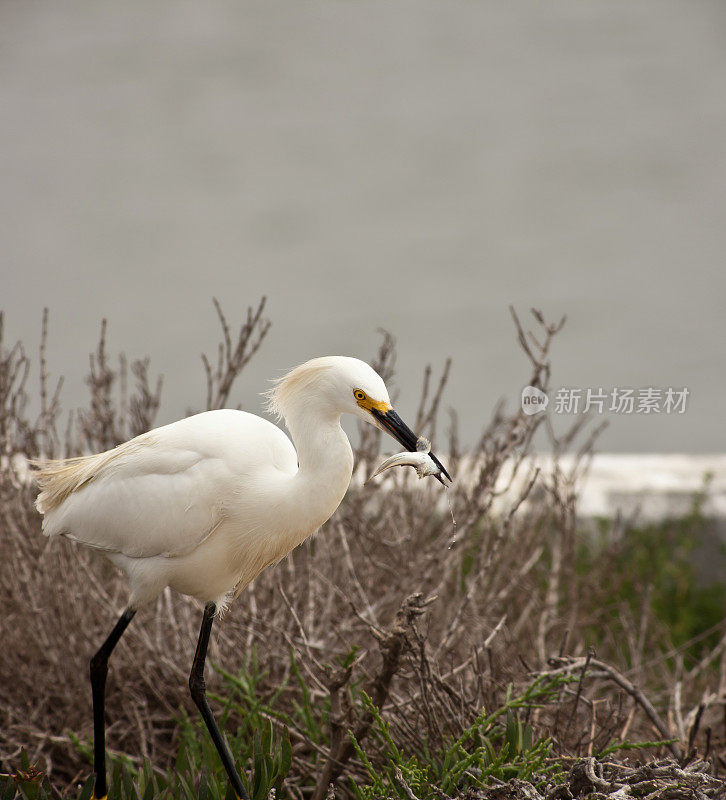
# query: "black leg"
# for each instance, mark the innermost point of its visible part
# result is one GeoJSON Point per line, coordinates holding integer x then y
{"type": "Point", "coordinates": [198, 690]}
{"type": "Point", "coordinates": [99, 670]}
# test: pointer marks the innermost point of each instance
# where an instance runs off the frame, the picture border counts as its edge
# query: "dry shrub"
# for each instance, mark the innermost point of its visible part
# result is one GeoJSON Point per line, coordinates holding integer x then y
{"type": "Point", "coordinates": [440, 618]}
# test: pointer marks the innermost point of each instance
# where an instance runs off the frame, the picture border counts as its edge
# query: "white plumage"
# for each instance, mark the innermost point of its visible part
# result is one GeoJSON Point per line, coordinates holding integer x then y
{"type": "Point", "coordinates": [205, 504]}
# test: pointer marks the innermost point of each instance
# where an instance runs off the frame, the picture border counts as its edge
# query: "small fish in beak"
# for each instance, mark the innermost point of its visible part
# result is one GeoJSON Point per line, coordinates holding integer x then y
{"type": "Point", "coordinates": [390, 422]}
{"type": "Point", "coordinates": [420, 460]}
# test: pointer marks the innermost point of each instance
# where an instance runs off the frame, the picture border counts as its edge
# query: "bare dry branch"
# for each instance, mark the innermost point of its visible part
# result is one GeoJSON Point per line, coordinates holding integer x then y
{"type": "Point", "coordinates": [233, 355]}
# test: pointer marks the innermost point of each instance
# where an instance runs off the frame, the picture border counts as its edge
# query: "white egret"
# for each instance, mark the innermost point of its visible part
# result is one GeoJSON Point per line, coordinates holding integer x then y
{"type": "Point", "coordinates": [205, 504]}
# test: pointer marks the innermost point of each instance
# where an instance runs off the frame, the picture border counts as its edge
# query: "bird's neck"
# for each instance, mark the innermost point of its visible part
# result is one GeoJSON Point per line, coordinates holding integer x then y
{"type": "Point", "coordinates": [321, 444]}
{"type": "Point", "coordinates": [325, 459]}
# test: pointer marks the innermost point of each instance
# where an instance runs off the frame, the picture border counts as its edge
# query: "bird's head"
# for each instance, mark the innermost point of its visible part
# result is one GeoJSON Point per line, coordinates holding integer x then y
{"type": "Point", "coordinates": [339, 385]}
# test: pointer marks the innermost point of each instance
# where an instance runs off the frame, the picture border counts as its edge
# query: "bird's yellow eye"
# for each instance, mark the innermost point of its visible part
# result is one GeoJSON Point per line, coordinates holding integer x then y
{"type": "Point", "coordinates": [359, 395]}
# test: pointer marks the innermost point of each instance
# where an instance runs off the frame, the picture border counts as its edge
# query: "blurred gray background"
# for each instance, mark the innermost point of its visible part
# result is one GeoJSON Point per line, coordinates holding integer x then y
{"type": "Point", "coordinates": [412, 165]}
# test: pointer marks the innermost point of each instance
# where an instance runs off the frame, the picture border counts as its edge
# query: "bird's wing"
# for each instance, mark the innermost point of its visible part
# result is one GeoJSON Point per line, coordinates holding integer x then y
{"type": "Point", "coordinates": [162, 493]}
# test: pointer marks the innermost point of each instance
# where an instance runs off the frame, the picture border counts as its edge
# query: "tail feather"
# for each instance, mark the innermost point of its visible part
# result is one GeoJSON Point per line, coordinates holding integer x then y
{"type": "Point", "coordinates": [59, 478]}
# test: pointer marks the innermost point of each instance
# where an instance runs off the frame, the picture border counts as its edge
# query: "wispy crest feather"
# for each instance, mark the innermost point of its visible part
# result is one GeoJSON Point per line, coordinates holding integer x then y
{"type": "Point", "coordinates": [291, 385]}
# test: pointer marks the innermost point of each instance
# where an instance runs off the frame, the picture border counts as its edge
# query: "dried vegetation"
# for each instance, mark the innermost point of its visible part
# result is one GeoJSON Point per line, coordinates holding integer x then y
{"type": "Point", "coordinates": [432, 622]}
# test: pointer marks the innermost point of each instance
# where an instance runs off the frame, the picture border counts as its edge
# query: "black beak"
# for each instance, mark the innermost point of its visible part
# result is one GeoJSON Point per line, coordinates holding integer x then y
{"type": "Point", "coordinates": [393, 424]}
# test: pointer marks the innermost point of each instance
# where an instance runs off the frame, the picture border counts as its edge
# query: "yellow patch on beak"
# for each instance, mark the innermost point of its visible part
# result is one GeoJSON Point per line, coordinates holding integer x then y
{"type": "Point", "coordinates": [379, 406]}
{"type": "Point", "coordinates": [368, 404]}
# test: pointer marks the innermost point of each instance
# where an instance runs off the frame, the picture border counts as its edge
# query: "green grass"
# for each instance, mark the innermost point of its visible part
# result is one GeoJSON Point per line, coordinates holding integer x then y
{"type": "Point", "coordinates": [499, 745]}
